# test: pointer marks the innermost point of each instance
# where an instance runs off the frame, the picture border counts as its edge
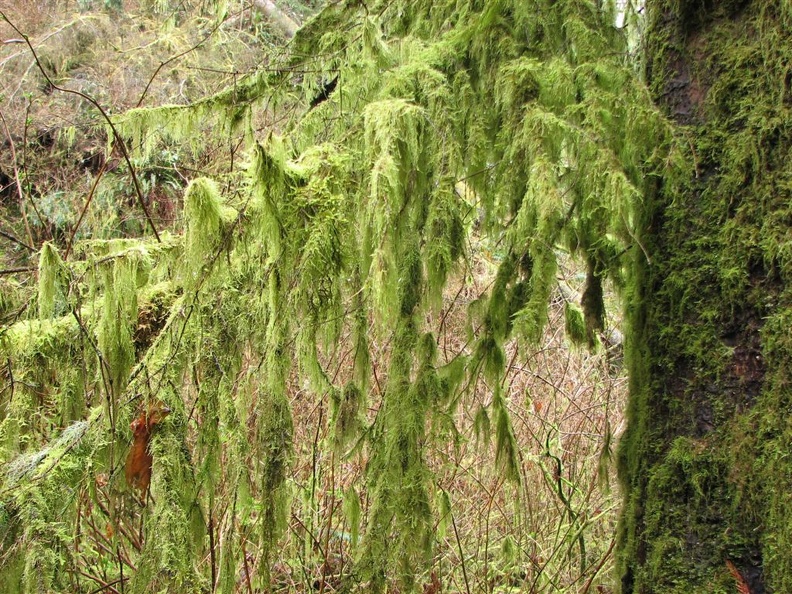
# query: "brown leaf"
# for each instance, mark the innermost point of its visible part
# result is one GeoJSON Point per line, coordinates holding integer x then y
{"type": "Point", "coordinates": [434, 586]}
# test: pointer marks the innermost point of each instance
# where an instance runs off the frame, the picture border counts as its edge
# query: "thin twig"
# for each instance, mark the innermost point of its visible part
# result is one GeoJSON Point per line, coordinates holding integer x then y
{"type": "Point", "coordinates": [333, 505]}
{"type": "Point", "coordinates": [212, 544]}
{"type": "Point", "coordinates": [461, 553]}
{"type": "Point", "coordinates": [85, 208]}
{"type": "Point", "coordinates": [598, 568]}
{"type": "Point", "coordinates": [10, 237]}
{"type": "Point", "coordinates": [104, 586]}
{"type": "Point", "coordinates": [245, 564]}
{"type": "Point", "coordinates": [174, 58]}
{"type": "Point", "coordinates": [17, 182]}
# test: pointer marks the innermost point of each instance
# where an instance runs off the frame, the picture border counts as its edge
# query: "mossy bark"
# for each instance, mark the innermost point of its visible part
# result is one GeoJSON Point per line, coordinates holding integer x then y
{"type": "Point", "coordinates": [704, 463]}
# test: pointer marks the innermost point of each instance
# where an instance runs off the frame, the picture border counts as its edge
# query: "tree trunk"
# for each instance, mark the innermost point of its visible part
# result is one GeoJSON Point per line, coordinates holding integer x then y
{"type": "Point", "coordinates": [706, 461]}
{"type": "Point", "coordinates": [279, 18]}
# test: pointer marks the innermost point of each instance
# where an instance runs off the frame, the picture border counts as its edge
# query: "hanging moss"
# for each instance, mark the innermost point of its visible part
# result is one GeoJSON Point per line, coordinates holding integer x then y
{"type": "Point", "coordinates": [177, 522]}
{"type": "Point", "coordinates": [398, 537]}
{"type": "Point", "coordinates": [352, 511]}
{"type": "Point", "coordinates": [346, 416]}
{"type": "Point", "coordinates": [574, 325]}
{"type": "Point", "coordinates": [206, 218]}
{"type": "Point", "coordinates": [593, 303]}
{"type": "Point", "coordinates": [445, 240]}
{"type": "Point", "coordinates": [49, 272]}
{"type": "Point", "coordinates": [119, 314]}
{"type": "Point", "coordinates": [37, 488]}
{"type": "Point", "coordinates": [506, 450]}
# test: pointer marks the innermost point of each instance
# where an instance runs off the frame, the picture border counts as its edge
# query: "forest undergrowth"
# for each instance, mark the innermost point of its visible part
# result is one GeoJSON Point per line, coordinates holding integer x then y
{"type": "Point", "coordinates": [554, 532]}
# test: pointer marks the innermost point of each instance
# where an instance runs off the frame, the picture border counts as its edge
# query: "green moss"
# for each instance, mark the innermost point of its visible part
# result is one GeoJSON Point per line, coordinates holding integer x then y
{"type": "Point", "coordinates": [574, 324]}
{"type": "Point", "coordinates": [49, 272]}
{"type": "Point", "coordinates": [701, 462]}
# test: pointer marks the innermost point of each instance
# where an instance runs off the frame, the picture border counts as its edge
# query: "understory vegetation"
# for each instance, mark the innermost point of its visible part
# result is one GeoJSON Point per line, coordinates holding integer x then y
{"type": "Point", "coordinates": [371, 274]}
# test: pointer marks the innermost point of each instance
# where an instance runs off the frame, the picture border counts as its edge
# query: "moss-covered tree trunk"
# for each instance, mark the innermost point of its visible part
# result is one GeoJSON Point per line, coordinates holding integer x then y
{"type": "Point", "coordinates": [706, 463]}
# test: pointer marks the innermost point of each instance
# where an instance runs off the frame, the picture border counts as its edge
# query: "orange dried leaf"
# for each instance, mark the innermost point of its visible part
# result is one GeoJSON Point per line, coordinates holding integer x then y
{"type": "Point", "coordinates": [139, 460]}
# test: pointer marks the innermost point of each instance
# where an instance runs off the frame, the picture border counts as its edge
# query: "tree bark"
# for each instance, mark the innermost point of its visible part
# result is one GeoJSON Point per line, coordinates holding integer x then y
{"type": "Point", "coordinates": [705, 463]}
